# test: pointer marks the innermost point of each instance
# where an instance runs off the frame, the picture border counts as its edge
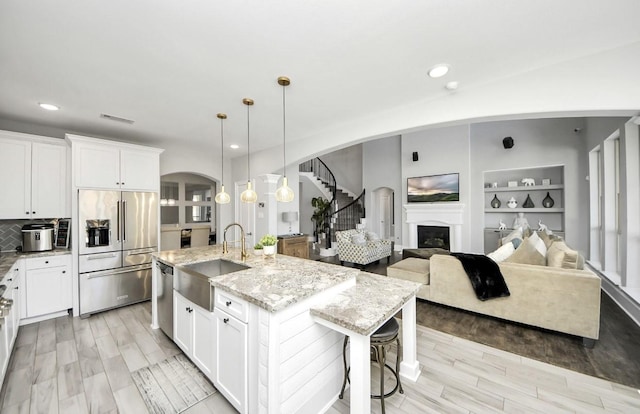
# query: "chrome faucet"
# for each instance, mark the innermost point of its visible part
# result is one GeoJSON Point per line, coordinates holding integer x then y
{"type": "Point", "coordinates": [243, 250]}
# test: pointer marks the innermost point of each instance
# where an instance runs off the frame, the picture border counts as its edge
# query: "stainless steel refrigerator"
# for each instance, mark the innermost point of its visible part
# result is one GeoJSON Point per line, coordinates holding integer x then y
{"type": "Point", "coordinates": [118, 233]}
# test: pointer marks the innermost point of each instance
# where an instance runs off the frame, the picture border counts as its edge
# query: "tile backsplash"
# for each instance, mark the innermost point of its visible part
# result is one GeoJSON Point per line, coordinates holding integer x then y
{"type": "Point", "coordinates": [11, 232]}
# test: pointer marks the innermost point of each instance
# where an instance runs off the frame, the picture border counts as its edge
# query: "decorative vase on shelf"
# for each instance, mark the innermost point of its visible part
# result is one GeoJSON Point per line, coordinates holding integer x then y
{"type": "Point", "coordinates": [548, 201]}
{"type": "Point", "coordinates": [495, 203]}
{"type": "Point", "coordinates": [528, 203]}
{"type": "Point", "coordinates": [512, 203]}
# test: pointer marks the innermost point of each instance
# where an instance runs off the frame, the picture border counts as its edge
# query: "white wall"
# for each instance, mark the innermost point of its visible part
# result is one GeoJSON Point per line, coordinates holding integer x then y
{"type": "Point", "coordinates": [440, 151]}
{"type": "Point", "coordinates": [382, 167]}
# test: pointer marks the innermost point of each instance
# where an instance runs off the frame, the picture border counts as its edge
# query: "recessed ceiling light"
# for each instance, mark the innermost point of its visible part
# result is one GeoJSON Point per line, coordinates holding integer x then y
{"type": "Point", "coordinates": [452, 86]}
{"type": "Point", "coordinates": [438, 70]}
{"type": "Point", "coordinates": [48, 107]}
{"type": "Point", "coordinates": [234, 146]}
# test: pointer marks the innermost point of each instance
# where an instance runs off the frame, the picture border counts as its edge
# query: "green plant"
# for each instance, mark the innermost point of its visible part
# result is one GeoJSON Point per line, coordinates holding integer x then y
{"type": "Point", "coordinates": [268, 240]}
{"type": "Point", "coordinates": [322, 206]}
{"type": "Point", "coordinates": [257, 246]}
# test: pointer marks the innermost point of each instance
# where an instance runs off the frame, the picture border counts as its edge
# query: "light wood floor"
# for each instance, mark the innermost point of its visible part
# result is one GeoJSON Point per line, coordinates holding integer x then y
{"type": "Point", "coordinates": [71, 365]}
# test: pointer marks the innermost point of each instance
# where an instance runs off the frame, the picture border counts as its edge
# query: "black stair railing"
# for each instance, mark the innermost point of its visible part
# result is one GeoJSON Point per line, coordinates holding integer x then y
{"type": "Point", "coordinates": [324, 174]}
{"type": "Point", "coordinates": [337, 218]}
{"type": "Point", "coordinates": [348, 216]}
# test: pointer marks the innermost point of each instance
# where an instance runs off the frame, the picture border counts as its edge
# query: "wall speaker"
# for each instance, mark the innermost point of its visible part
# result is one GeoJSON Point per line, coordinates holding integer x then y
{"type": "Point", "coordinates": [507, 142]}
{"type": "Point", "coordinates": [415, 156]}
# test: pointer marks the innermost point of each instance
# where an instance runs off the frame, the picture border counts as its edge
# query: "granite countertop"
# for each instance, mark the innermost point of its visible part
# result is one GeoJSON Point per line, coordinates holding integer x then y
{"type": "Point", "coordinates": [271, 283]}
{"type": "Point", "coordinates": [7, 259]}
{"type": "Point", "coordinates": [365, 306]}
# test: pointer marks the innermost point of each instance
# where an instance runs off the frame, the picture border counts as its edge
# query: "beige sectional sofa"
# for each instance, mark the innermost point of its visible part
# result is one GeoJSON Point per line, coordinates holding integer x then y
{"type": "Point", "coordinates": [564, 300]}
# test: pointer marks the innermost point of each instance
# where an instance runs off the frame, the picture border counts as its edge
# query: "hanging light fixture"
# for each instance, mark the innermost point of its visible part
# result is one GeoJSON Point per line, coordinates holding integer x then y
{"type": "Point", "coordinates": [222, 197]}
{"type": "Point", "coordinates": [284, 193]}
{"type": "Point", "coordinates": [248, 195]}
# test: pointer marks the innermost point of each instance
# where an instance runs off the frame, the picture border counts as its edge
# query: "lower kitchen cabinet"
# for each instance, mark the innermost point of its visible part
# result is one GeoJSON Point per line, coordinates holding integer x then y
{"type": "Point", "coordinates": [231, 359]}
{"type": "Point", "coordinates": [193, 330]}
{"type": "Point", "coordinates": [11, 317]}
{"type": "Point", "coordinates": [48, 285]}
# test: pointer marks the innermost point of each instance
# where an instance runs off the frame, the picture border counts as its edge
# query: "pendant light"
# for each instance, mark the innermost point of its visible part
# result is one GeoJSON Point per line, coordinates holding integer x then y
{"type": "Point", "coordinates": [248, 195]}
{"type": "Point", "coordinates": [284, 193]}
{"type": "Point", "coordinates": [222, 197]}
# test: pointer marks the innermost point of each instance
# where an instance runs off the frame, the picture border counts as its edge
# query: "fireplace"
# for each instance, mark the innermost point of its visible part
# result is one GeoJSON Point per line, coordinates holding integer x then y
{"type": "Point", "coordinates": [449, 215]}
{"type": "Point", "coordinates": [433, 236]}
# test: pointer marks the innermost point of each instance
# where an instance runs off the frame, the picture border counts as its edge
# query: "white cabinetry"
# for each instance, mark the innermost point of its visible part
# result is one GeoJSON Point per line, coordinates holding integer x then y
{"type": "Point", "coordinates": [231, 348]}
{"type": "Point", "coordinates": [111, 165]}
{"type": "Point", "coordinates": [193, 330]}
{"type": "Point", "coordinates": [47, 285]}
{"type": "Point", "coordinates": [11, 318]}
{"type": "Point", "coordinates": [35, 176]}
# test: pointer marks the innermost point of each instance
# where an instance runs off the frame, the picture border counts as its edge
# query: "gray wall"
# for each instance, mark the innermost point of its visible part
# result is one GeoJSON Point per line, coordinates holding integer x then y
{"type": "Point", "coordinates": [346, 165]}
{"type": "Point", "coordinates": [382, 167]}
{"type": "Point", "coordinates": [440, 151]}
{"type": "Point", "coordinates": [537, 143]}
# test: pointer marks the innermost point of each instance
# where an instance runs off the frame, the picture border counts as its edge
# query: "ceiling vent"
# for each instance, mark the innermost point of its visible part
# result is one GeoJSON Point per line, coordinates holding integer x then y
{"type": "Point", "coordinates": [116, 118]}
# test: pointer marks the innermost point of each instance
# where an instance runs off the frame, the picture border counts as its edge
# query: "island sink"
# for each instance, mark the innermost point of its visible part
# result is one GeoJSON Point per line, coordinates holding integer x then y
{"type": "Point", "coordinates": [192, 280]}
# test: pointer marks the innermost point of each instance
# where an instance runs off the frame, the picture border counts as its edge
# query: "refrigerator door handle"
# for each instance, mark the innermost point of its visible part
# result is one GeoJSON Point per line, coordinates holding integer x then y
{"type": "Point", "coordinates": [124, 221]}
{"type": "Point", "coordinates": [118, 224]}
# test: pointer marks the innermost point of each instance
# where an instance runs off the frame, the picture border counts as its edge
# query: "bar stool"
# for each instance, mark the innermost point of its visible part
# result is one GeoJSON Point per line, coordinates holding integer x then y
{"type": "Point", "coordinates": [383, 337]}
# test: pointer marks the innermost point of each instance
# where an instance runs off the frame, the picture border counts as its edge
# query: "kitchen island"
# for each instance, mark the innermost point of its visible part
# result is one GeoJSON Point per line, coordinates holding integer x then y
{"type": "Point", "coordinates": [273, 342]}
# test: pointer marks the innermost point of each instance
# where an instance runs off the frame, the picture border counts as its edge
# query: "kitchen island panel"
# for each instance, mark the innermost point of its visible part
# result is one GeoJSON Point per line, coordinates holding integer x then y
{"type": "Point", "coordinates": [299, 361]}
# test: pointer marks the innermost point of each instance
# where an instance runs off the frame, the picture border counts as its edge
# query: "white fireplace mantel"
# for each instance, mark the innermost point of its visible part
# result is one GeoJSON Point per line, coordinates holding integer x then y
{"type": "Point", "coordinates": [446, 215]}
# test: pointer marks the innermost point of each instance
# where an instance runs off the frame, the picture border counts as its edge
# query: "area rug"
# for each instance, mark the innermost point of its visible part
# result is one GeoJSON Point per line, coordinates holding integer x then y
{"type": "Point", "coordinates": [171, 386]}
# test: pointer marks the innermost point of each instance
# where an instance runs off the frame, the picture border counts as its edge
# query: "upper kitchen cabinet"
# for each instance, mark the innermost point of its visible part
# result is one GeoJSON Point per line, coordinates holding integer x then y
{"type": "Point", "coordinates": [35, 171]}
{"type": "Point", "coordinates": [106, 164]}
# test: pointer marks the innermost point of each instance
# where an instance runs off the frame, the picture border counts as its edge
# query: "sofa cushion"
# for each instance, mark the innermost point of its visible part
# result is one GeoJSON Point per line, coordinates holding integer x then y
{"type": "Point", "coordinates": [502, 252]}
{"type": "Point", "coordinates": [528, 252]}
{"type": "Point", "coordinates": [562, 256]}
{"type": "Point", "coordinates": [412, 268]}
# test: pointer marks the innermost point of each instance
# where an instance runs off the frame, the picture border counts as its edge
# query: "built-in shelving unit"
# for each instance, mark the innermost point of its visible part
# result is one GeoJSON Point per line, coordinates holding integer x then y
{"type": "Point", "coordinates": [497, 184]}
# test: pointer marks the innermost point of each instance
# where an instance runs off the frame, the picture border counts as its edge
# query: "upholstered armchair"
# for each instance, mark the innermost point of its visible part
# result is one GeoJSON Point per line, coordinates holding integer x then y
{"type": "Point", "coordinates": [361, 247]}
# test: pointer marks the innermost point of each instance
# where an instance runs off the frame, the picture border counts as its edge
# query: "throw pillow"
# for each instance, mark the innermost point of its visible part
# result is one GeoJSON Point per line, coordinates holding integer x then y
{"type": "Point", "coordinates": [516, 243]}
{"type": "Point", "coordinates": [372, 236]}
{"type": "Point", "coordinates": [527, 253]}
{"type": "Point", "coordinates": [502, 253]}
{"type": "Point", "coordinates": [544, 236]}
{"type": "Point", "coordinates": [562, 256]}
{"type": "Point", "coordinates": [516, 234]}
{"type": "Point", "coordinates": [538, 244]}
{"type": "Point", "coordinates": [358, 239]}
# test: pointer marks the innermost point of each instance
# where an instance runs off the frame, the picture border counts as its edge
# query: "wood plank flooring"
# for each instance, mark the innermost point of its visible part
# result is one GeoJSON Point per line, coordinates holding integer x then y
{"type": "Point", "coordinates": [72, 365]}
{"type": "Point", "coordinates": [615, 357]}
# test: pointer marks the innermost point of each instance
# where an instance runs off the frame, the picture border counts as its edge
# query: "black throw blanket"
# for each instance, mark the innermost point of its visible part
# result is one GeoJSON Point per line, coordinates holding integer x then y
{"type": "Point", "coordinates": [484, 275]}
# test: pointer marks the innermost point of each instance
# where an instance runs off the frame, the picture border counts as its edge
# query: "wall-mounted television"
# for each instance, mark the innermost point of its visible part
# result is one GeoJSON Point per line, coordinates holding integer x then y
{"type": "Point", "coordinates": [433, 188]}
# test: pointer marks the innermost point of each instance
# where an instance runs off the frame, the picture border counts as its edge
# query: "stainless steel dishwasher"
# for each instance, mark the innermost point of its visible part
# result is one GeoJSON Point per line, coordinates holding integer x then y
{"type": "Point", "coordinates": [165, 298]}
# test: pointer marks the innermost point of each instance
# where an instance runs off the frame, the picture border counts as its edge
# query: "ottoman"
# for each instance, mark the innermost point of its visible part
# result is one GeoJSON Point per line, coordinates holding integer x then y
{"type": "Point", "coordinates": [414, 270]}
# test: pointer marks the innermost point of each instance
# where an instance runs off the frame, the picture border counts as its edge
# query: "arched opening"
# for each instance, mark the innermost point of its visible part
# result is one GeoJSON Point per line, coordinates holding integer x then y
{"type": "Point", "coordinates": [187, 210]}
